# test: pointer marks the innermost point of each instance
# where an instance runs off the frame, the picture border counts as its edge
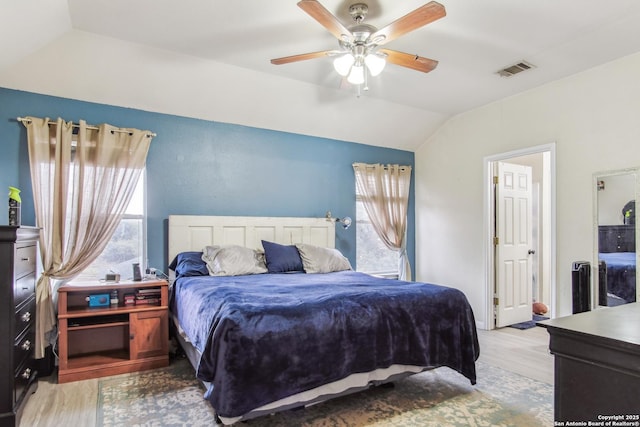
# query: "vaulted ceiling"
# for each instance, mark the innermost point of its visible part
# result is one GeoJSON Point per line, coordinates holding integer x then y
{"type": "Point", "coordinates": [210, 59]}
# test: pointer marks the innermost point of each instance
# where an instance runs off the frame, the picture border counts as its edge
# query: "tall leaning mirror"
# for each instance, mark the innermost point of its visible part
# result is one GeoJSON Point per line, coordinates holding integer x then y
{"type": "Point", "coordinates": [615, 279]}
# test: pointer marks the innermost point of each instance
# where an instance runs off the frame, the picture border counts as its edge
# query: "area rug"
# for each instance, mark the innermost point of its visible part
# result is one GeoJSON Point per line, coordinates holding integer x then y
{"type": "Point", "coordinates": [441, 397]}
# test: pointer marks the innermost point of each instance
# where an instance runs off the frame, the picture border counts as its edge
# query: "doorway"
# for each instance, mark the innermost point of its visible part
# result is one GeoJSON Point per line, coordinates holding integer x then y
{"type": "Point", "coordinates": [541, 160]}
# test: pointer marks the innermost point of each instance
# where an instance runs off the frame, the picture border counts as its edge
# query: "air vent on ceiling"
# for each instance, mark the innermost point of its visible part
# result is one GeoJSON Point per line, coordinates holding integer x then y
{"type": "Point", "coordinates": [515, 69]}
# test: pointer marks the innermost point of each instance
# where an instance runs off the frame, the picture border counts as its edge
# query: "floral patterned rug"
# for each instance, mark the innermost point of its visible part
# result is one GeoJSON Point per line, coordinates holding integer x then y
{"type": "Point", "coordinates": [172, 397]}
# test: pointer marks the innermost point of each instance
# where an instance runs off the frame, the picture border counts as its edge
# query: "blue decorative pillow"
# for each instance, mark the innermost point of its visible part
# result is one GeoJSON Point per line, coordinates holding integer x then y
{"type": "Point", "coordinates": [189, 264]}
{"type": "Point", "coordinates": [282, 258]}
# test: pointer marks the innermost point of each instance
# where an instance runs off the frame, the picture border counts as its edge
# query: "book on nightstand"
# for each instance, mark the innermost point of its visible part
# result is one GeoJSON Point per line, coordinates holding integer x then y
{"type": "Point", "coordinates": [129, 299]}
{"type": "Point", "coordinates": [148, 296]}
{"type": "Point", "coordinates": [148, 301]}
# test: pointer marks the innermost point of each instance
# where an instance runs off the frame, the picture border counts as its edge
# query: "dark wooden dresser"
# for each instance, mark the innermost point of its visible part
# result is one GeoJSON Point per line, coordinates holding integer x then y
{"type": "Point", "coordinates": [616, 238]}
{"type": "Point", "coordinates": [18, 376]}
{"type": "Point", "coordinates": [597, 365]}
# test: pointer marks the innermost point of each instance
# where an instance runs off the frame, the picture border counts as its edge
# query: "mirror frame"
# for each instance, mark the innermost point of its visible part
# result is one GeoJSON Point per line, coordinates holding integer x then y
{"type": "Point", "coordinates": [595, 283]}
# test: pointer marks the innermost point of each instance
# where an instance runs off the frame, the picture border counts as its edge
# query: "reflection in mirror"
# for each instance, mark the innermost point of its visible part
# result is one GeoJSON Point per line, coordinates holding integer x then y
{"type": "Point", "coordinates": [615, 195]}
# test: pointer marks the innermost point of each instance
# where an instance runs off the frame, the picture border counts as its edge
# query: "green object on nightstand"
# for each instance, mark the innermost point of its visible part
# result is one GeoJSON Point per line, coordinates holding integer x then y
{"type": "Point", "coordinates": [14, 206]}
{"type": "Point", "coordinates": [14, 194]}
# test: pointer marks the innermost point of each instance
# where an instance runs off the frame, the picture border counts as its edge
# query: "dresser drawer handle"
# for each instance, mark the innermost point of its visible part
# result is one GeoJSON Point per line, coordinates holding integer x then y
{"type": "Point", "coordinates": [25, 259]}
{"type": "Point", "coordinates": [26, 317]}
{"type": "Point", "coordinates": [26, 345]}
{"type": "Point", "coordinates": [26, 373]}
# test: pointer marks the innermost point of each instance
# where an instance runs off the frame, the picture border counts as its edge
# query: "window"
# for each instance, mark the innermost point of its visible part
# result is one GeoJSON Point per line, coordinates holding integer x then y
{"type": "Point", "coordinates": [127, 245]}
{"type": "Point", "coordinates": [372, 256]}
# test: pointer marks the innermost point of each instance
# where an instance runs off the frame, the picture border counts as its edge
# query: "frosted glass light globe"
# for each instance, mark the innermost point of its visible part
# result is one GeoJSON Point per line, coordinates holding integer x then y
{"type": "Point", "coordinates": [356, 76]}
{"type": "Point", "coordinates": [342, 64]}
{"type": "Point", "coordinates": [375, 64]}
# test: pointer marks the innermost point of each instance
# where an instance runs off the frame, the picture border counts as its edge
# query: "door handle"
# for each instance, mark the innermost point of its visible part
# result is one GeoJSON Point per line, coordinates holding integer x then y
{"type": "Point", "coordinates": [531, 252]}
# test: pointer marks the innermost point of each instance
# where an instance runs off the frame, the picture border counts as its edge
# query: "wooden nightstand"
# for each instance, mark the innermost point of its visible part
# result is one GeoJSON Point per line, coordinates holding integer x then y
{"type": "Point", "coordinates": [100, 341]}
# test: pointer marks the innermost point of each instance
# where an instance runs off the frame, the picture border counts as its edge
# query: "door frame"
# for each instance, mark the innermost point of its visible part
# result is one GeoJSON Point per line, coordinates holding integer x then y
{"type": "Point", "coordinates": [489, 216]}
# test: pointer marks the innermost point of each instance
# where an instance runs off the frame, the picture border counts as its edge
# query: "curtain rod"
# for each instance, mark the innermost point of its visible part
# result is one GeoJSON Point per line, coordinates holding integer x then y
{"type": "Point", "coordinates": [385, 167]}
{"type": "Point", "coordinates": [25, 120]}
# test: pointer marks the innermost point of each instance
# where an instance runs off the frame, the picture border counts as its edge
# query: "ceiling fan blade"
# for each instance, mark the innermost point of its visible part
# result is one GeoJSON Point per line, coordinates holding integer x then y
{"type": "Point", "coordinates": [411, 21]}
{"type": "Point", "coordinates": [325, 18]}
{"type": "Point", "coordinates": [301, 57]}
{"type": "Point", "coordinates": [414, 62]}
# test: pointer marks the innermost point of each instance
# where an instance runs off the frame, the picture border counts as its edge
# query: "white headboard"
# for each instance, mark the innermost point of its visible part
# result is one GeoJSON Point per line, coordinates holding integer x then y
{"type": "Point", "coordinates": [194, 232]}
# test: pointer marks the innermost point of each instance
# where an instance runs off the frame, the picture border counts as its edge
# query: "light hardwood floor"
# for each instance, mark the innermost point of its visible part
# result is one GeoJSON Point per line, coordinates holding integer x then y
{"type": "Point", "coordinates": [524, 352]}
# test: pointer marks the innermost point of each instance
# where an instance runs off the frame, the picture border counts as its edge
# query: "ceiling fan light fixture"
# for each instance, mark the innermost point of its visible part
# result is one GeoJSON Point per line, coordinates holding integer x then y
{"type": "Point", "coordinates": [342, 64]}
{"type": "Point", "coordinates": [359, 56]}
{"type": "Point", "coordinates": [356, 76]}
{"type": "Point", "coordinates": [375, 63]}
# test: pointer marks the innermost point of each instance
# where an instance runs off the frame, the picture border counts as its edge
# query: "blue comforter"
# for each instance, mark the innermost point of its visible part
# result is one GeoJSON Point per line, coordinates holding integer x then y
{"type": "Point", "coordinates": [265, 337]}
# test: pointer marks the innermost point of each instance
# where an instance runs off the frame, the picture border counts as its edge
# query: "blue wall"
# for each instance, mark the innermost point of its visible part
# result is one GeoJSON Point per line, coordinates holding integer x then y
{"type": "Point", "coordinates": [200, 167]}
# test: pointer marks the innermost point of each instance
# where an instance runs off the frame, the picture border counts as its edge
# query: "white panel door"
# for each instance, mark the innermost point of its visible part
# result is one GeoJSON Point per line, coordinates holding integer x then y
{"type": "Point", "coordinates": [514, 278]}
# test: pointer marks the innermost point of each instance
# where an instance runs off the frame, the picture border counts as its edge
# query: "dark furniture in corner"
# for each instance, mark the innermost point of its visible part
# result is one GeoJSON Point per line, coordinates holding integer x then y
{"type": "Point", "coordinates": [617, 264]}
{"type": "Point", "coordinates": [597, 363]}
{"type": "Point", "coordinates": [617, 238]}
{"type": "Point", "coordinates": [18, 374]}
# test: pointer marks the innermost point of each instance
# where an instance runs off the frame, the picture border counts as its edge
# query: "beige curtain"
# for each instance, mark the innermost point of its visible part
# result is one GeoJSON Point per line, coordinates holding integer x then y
{"type": "Point", "coordinates": [384, 191]}
{"type": "Point", "coordinates": [81, 190]}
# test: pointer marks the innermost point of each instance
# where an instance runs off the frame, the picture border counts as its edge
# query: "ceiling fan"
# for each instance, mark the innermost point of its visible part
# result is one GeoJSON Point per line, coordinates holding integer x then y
{"type": "Point", "coordinates": [360, 43]}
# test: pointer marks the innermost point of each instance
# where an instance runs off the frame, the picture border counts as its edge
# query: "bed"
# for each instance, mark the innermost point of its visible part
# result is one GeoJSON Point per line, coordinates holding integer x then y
{"type": "Point", "coordinates": [279, 334]}
{"type": "Point", "coordinates": [620, 276]}
{"type": "Point", "coordinates": [617, 256]}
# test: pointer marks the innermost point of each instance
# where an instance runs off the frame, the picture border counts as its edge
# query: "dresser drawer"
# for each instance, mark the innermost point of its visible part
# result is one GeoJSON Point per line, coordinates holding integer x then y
{"type": "Point", "coordinates": [23, 347]}
{"type": "Point", "coordinates": [25, 261]}
{"type": "Point", "coordinates": [24, 288]}
{"type": "Point", "coordinates": [25, 375]}
{"type": "Point", "coordinates": [25, 317]}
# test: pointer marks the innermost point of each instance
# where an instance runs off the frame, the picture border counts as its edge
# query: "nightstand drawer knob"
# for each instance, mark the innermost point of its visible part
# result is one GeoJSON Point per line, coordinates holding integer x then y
{"type": "Point", "coordinates": [26, 373]}
{"type": "Point", "coordinates": [26, 345]}
{"type": "Point", "coordinates": [26, 317]}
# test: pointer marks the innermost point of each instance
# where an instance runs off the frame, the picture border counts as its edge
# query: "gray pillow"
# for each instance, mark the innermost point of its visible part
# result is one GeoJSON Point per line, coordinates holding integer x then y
{"type": "Point", "coordinates": [233, 260]}
{"type": "Point", "coordinates": [316, 259]}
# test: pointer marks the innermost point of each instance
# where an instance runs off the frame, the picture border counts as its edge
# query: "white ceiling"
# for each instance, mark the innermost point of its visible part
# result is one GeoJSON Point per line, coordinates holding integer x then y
{"type": "Point", "coordinates": [471, 43]}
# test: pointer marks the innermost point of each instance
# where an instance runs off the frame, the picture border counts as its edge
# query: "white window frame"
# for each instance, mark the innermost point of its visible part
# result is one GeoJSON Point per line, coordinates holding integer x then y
{"type": "Point", "coordinates": [390, 274]}
{"type": "Point", "coordinates": [143, 217]}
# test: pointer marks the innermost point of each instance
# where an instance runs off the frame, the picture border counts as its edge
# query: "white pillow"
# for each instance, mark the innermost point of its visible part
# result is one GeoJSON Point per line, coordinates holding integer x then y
{"type": "Point", "coordinates": [233, 260]}
{"type": "Point", "coordinates": [316, 259]}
